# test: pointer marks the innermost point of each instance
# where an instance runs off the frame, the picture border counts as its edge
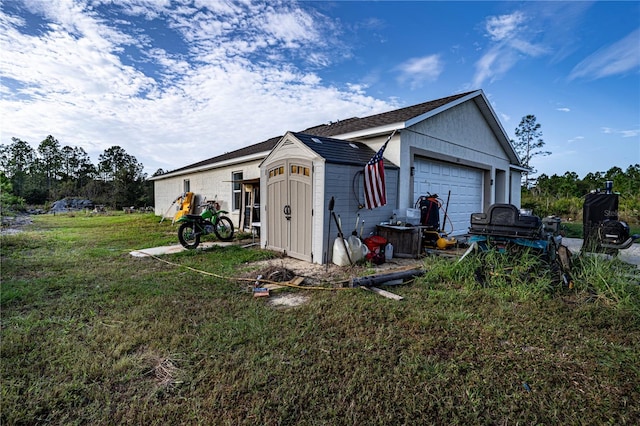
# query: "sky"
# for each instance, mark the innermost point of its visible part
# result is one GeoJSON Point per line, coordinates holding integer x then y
{"type": "Point", "coordinates": [177, 82]}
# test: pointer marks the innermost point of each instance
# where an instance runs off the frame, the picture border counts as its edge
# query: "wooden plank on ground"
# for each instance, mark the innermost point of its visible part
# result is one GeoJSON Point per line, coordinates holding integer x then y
{"type": "Point", "coordinates": [296, 281]}
{"type": "Point", "coordinates": [383, 293]}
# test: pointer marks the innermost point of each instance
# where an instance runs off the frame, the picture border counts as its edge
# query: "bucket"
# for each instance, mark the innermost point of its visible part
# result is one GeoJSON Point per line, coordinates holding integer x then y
{"type": "Point", "coordinates": [375, 244]}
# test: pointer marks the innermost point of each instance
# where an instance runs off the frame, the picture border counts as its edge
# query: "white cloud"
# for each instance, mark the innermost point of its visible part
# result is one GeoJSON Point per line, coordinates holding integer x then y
{"type": "Point", "coordinates": [629, 133]}
{"type": "Point", "coordinates": [228, 78]}
{"type": "Point", "coordinates": [625, 133]}
{"type": "Point", "coordinates": [492, 65]}
{"type": "Point", "coordinates": [563, 109]}
{"type": "Point", "coordinates": [619, 58]}
{"type": "Point", "coordinates": [504, 26]}
{"type": "Point", "coordinates": [511, 42]}
{"type": "Point", "coordinates": [418, 70]}
{"type": "Point", "coordinates": [576, 139]}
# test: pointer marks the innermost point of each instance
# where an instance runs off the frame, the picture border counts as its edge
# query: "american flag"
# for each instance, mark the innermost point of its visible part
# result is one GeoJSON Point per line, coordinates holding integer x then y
{"type": "Point", "coordinates": [375, 193]}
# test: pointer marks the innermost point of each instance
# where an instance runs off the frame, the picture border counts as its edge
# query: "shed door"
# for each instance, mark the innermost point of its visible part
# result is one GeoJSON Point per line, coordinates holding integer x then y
{"type": "Point", "coordinates": [465, 184]}
{"type": "Point", "coordinates": [289, 208]}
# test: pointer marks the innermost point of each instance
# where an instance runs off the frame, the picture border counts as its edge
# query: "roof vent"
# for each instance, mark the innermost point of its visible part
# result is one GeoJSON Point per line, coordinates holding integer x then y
{"type": "Point", "coordinates": [353, 145]}
{"type": "Point", "coordinates": [316, 140]}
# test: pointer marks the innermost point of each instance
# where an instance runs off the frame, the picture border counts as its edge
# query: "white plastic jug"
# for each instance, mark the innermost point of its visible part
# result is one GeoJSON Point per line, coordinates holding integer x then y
{"type": "Point", "coordinates": [355, 248]}
{"type": "Point", "coordinates": [388, 252]}
{"type": "Point", "coordinates": [340, 257]}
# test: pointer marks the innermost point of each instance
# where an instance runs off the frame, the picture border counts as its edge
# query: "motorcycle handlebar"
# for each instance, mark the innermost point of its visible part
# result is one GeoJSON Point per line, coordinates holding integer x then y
{"type": "Point", "coordinates": [211, 203]}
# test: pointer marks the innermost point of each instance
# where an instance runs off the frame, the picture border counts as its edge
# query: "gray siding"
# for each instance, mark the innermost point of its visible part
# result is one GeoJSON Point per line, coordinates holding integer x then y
{"type": "Point", "coordinates": [339, 184]}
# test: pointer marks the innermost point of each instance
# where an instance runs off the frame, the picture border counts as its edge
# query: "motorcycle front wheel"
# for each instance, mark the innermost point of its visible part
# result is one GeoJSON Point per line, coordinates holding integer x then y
{"type": "Point", "coordinates": [223, 228]}
{"type": "Point", "coordinates": [188, 236]}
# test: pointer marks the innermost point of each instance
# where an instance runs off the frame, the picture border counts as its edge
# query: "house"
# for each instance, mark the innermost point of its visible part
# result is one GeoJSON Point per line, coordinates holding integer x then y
{"type": "Point", "coordinates": [453, 146]}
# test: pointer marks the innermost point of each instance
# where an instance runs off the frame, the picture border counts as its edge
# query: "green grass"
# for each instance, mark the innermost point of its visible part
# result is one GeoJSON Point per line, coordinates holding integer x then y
{"type": "Point", "coordinates": [92, 335]}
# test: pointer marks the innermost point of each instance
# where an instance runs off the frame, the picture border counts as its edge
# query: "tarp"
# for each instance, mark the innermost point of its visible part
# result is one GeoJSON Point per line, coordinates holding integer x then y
{"type": "Point", "coordinates": [186, 205]}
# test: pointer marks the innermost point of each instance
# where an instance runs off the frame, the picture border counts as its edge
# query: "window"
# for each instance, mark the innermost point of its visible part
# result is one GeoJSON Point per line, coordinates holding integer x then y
{"type": "Point", "coordinates": [186, 185]}
{"type": "Point", "coordinates": [276, 172]}
{"type": "Point", "coordinates": [236, 177]}
{"type": "Point", "coordinates": [300, 170]}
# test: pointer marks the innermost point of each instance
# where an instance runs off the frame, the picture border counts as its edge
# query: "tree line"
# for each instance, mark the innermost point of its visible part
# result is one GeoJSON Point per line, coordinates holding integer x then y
{"type": "Point", "coordinates": [563, 195]}
{"type": "Point", "coordinates": [52, 172]}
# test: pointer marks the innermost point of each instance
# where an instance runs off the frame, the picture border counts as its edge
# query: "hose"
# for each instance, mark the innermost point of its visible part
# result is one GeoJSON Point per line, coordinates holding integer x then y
{"type": "Point", "coordinates": [356, 195]}
{"type": "Point", "coordinates": [286, 284]}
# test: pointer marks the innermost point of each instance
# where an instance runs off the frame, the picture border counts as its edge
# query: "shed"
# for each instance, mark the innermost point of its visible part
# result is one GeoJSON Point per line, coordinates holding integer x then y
{"type": "Point", "coordinates": [299, 177]}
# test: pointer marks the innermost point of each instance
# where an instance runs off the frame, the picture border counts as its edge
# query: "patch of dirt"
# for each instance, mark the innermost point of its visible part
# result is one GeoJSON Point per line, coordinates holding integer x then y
{"type": "Point", "coordinates": [287, 300]}
{"type": "Point", "coordinates": [14, 224]}
{"type": "Point", "coordinates": [287, 268]}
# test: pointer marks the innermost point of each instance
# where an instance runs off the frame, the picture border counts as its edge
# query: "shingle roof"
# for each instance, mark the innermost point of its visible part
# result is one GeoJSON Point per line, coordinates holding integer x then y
{"type": "Point", "coordinates": [338, 151]}
{"type": "Point", "coordinates": [396, 116]}
{"type": "Point", "coordinates": [242, 152]}
{"type": "Point", "coordinates": [337, 128]}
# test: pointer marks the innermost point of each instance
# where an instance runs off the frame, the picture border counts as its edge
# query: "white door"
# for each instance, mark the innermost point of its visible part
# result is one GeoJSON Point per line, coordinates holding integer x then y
{"type": "Point", "coordinates": [465, 184]}
{"type": "Point", "coordinates": [289, 208]}
{"type": "Point", "coordinates": [276, 200]}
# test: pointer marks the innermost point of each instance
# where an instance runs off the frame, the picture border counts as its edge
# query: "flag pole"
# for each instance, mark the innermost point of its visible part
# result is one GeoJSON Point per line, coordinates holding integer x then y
{"type": "Point", "coordinates": [390, 136]}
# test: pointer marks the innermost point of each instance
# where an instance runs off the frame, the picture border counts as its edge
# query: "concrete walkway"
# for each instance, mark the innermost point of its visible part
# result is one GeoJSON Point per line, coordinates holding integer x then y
{"type": "Point", "coordinates": [157, 251]}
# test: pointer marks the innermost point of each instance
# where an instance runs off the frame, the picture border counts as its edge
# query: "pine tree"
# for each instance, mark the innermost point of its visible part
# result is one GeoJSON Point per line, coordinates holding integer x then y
{"type": "Point", "coordinates": [529, 143]}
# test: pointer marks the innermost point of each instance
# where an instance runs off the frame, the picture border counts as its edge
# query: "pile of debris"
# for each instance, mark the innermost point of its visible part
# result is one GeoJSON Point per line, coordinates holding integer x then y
{"type": "Point", "coordinates": [70, 205]}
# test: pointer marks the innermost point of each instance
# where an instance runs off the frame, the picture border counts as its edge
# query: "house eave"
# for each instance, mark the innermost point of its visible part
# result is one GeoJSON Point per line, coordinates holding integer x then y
{"type": "Point", "coordinates": [372, 132]}
{"type": "Point", "coordinates": [234, 161]}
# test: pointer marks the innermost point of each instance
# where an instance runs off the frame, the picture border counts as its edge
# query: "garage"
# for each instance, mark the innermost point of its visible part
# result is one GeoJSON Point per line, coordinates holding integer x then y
{"type": "Point", "coordinates": [465, 184]}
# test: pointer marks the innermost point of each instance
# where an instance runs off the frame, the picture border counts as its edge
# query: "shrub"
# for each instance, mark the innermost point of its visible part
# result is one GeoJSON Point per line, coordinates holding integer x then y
{"type": "Point", "coordinates": [9, 201]}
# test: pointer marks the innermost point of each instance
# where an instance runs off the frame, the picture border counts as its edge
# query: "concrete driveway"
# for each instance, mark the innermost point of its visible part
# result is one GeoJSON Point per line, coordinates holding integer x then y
{"type": "Point", "coordinates": [630, 255]}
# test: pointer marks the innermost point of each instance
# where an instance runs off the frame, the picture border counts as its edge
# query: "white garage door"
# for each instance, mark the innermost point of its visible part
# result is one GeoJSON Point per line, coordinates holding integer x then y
{"type": "Point", "coordinates": [465, 184]}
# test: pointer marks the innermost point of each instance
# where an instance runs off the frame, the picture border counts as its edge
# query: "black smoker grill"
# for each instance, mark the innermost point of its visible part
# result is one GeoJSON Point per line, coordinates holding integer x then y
{"type": "Point", "coordinates": [603, 232]}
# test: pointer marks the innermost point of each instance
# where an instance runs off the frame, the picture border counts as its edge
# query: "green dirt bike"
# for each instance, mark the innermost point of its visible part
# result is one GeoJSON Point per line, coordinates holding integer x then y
{"type": "Point", "coordinates": [210, 221]}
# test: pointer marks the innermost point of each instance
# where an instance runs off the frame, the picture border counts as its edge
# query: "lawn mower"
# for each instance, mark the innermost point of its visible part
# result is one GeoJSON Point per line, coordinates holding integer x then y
{"type": "Point", "coordinates": [504, 228]}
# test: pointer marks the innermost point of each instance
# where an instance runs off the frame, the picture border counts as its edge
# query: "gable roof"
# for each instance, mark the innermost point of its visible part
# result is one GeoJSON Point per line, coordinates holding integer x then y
{"type": "Point", "coordinates": [405, 116]}
{"type": "Point", "coordinates": [354, 124]}
{"type": "Point", "coordinates": [338, 151]}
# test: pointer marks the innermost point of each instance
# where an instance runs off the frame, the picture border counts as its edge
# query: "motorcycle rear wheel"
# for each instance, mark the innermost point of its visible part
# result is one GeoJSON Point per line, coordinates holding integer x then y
{"type": "Point", "coordinates": [188, 236]}
{"type": "Point", "coordinates": [223, 228]}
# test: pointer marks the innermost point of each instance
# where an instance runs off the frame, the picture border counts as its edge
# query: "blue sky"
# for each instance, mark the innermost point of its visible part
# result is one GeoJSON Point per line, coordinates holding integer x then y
{"type": "Point", "coordinates": [175, 82]}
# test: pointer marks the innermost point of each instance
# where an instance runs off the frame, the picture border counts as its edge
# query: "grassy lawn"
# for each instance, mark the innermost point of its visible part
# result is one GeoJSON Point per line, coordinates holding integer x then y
{"type": "Point", "coordinates": [93, 335]}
